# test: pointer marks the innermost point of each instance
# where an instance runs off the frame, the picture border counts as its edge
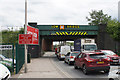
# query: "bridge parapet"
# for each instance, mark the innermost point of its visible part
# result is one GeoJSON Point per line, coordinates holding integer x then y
{"type": "Point", "coordinates": [67, 27]}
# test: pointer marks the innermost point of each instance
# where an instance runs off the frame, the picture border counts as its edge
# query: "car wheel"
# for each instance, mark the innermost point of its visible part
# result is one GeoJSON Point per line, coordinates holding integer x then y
{"type": "Point", "coordinates": [85, 71]}
{"type": "Point", "coordinates": [59, 58]}
{"type": "Point", "coordinates": [65, 61]}
{"type": "Point", "coordinates": [107, 71]}
{"type": "Point", "coordinates": [75, 66]}
{"type": "Point", "coordinates": [111, 79]}
{"type": "Point", "coordinates": [69, 62]}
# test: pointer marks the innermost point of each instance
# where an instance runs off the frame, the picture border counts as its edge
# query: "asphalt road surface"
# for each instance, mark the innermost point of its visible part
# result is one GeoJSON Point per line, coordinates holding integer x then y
{"type": "Point", "coordinates": [69, 70]}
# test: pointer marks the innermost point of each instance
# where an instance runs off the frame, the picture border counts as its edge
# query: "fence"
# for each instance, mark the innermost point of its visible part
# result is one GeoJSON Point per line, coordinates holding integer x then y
{"type": "Point", "coordinates": [7, 55]}
{"type": "Point", "coordinates": [20, 57]}
{"type": "Point", "coordinates": [12, 61]}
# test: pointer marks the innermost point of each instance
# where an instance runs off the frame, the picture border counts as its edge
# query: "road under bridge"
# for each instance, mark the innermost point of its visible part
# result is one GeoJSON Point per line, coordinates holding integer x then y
{"type": "Point", "coordinates": [50, 33]}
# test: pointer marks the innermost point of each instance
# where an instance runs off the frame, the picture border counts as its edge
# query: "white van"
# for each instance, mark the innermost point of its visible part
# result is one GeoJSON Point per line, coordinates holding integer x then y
{"type": "Point", "coordinates": [63, 51]}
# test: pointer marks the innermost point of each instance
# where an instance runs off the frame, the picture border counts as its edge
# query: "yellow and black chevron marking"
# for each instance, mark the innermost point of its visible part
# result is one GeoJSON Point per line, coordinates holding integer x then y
{"type": "Point", "coordinates": [70, 33]}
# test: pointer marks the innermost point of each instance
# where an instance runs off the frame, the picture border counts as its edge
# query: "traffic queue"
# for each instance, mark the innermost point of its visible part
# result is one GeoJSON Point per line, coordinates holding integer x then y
{"type": "Point", "coordinates": [87, 57]}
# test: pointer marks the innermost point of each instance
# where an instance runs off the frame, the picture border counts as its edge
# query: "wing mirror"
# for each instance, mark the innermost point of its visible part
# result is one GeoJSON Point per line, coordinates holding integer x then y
{"type": "Point", "coordinates": [82, 50]}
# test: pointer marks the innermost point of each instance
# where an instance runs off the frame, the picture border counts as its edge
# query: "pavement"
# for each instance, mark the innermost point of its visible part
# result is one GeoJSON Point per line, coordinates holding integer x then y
{"type": "Point", "coordinates": [49, 66]}
{"type": "Point", "coordinates": [41, 68]}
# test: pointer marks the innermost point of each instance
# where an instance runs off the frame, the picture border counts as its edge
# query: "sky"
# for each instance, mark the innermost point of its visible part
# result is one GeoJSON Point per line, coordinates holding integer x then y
{"type": "Point", "coordinates": [66, 12]}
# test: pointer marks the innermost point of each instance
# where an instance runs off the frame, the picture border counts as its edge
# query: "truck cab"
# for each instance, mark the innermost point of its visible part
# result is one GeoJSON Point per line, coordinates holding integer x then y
{"type": "Point", "coordinates": [86, 45]}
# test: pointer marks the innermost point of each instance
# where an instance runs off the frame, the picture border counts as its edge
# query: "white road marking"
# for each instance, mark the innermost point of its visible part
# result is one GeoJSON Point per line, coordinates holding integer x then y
{"type": "Point", "coordinates": [60, 69]}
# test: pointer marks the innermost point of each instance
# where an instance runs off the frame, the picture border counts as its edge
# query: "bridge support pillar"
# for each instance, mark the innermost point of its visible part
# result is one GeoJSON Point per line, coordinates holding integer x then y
{"type": "Point", "coordinates": [40, 47]}
{"type": "Point", "coordinates": [47, 45]}
{"type": "Point", "coordinates": [104, 40]}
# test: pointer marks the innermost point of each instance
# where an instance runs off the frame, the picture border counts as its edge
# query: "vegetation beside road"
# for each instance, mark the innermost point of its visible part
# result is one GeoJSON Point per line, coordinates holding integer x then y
{"type": "Point", "coordinates": [113, 28]}
{"type": "Point", "coordinates": [10, 36]}
{"type": "Point", "coordinates": [98, 17]}
{"type": "Point", "coordinates": [112, 25]}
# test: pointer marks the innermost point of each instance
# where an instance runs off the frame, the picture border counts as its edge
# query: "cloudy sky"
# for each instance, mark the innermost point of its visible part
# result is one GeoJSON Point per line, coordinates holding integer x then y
{"type": "Point", "coordinates": [53, 11]}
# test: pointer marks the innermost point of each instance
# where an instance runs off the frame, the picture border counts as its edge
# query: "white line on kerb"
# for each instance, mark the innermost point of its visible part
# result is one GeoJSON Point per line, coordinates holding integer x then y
{"type": "Point", "coordinates": [60, 69]}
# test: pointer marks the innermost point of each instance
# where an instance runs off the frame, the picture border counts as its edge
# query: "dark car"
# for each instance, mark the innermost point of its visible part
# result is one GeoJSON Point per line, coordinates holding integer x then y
{"type": "Point", "coordinates": [92, 61]}
{"type": "Point", "coordinates": [114, 58]}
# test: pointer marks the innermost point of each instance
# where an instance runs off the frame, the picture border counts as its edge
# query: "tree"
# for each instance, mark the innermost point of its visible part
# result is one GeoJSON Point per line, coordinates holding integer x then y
{"type": "Point", "coordinates": [11, 36]}
{"type": "Point", "coordinates": [98, 17]}
{"type": "Point", "coordinates": [113, 28]}
{"type": "Point", "coordinates": [70, 43]}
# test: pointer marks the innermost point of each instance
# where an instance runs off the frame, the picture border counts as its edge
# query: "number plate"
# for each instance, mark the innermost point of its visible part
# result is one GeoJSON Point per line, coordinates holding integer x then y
{"type": "Point", "coordinates": [100, 62]}
{"type": "Point", "coordinates": [115, 61]}
{"type": "Point", "coordinates": [63, 55]}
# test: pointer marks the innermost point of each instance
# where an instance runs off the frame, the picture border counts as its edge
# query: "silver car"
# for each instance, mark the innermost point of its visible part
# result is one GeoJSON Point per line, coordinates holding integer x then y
{"type": "Point", "coordinates": [70, 56]}
{"type": "Point", "coordinates": [114, 75]}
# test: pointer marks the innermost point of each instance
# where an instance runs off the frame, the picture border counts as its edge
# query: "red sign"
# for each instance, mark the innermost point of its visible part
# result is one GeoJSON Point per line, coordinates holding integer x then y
{"type": "Point", "coordinates": [35, 33]}
{"type": "Point", "coordinates": [25, 39]}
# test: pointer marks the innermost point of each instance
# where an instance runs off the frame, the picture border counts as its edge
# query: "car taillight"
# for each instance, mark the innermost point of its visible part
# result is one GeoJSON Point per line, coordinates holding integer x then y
{"type": "Point", "coordinates": [71, 57]}
{"type": "Point", "coordinates": [107, 58]}
{"type": "Point", "coordinates": [75, 58]}
{"type": "Point", "coordinates": [88, 60]}
{"type": "Point", "coordinates": [59, 54]}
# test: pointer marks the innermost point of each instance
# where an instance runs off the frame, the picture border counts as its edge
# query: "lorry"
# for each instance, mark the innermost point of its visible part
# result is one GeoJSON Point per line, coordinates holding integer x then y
{"type": "Point", "coordinates": [86, 44]}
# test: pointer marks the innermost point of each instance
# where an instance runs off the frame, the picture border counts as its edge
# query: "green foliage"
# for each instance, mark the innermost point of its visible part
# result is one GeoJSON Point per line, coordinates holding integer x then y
{"type": "Point", "coordinates": [0, 37]}
{"type": "Point", "coordinates": [11, 36]}
{"type": "Point", "coordinates": [98, 17]}
{"type": "Point", "coordinates": [113, 28]}
{"type": "Point", "coordinates": [21, 31]}
{"type": "Point", "coordinates": [70, 43]}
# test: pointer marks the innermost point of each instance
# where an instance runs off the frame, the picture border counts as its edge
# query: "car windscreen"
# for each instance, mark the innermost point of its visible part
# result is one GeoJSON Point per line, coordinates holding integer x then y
{"type": "Point", "coordinates": [97, 56]}
{"type": "Point", "coordinates": [108, 52]}
{"type": "Point", "coordinates": [90, 47]}
{"type": "Point", "coordinates": [74, 54]}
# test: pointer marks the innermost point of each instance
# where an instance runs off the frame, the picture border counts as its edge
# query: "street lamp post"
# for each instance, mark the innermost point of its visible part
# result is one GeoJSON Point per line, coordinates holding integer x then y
{"type": "Point", "coordinates": [25, 32]}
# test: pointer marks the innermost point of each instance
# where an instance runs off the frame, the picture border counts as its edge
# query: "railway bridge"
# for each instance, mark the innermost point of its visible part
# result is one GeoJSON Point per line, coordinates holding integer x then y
{"type": "Point", "coordinates": [50, 33]}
